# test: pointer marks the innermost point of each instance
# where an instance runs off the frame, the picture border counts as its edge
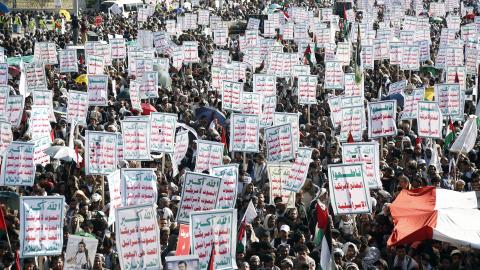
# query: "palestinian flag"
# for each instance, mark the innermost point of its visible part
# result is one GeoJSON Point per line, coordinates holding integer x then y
{"type": "Point", "coordinates": [322, 222]}
{"type": "Point", "coordinates": [358, 58]}
{"type": "Point", "coordinates": [308, 55]}
{"type": "Point", "coordinates": [3, 224]}
{"type": "Point", "coordinates": [326, 259]}
{"type": "Point", "coordinates": [439, 214]}
{"type": "Point", "coordinates": [449, 136]}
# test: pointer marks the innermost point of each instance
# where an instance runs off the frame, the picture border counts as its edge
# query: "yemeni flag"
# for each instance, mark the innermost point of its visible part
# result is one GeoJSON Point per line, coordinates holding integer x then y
{"type": "Point", "coordinates": [449, 136]}
{"type": "Point", "coordinates": [3, 224]}
{"type": "Point", "coordinates": [322, 222]}
{"type": "Point", "coordinates": [439, 214]}
{"type": "Point", "coordinates": [307, 55]}
{"type": "Point", "coordinates": [358, 58]}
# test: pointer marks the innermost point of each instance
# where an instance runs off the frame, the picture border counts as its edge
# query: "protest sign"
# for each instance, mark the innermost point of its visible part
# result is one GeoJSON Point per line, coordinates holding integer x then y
{"type": "Point", "coordinates": [343, 53]}
{"type": "Point", "coordinates": [143, 14]}
{"type": "Point", "coordinates": [411, 104]}
{"type": "Point", "coordinates": [471, 59]}
{"type": "Point", "coordinates": [182, 262]}
{"type": "Point", "coordinates": [214, 229]}
{"type": "Point", "coordinates": [209, 154]}
{"type": "Point", "coordinates": [220, 58]}
{"type": "Point", "coordinates": [44, 98]}
{"type": "Point", "coordinates": [252, 103]}
{"type": "Point", "coordinates": [349, 191]}
{"type": "Point", "coordinates": [138, 186]}
{"type": "Point", "coordinates": [190, 52]}
{"type": "Point", "coordinates": [114, 182]}
{"type": "Point", "coordinates": [35, 76]}
{"type": "Point", "coordinates": [15, 109]}
{"type": "Point", "coordinates": [162, 128]}
{"type": "Point", "coordinates": [298, 173]}
{"type": "Point", "coordinates": [397, 87]}
{"type": "Point", "coordinates": [396, 53]}
{"type": "Point", "coordinates": [181, 147]}
{"type": "Point", "coordinates": [135, 95]}
{"type": "Point", "coordinates": [244, 133]}
{"type": "Point", "coordinates": [253, 23]}
{"type": "Point", "coordinates": [139, 250]}
{"type": "Point", "coordinates": [144, 39]}
{"type": "Point", "coordinates": [97, 89]}
{"type": "Point", "coordinates": [457, 75]}
{"type": "Point", "coordinates": [429, 120]}
{"type": "Point", "coordinates": [411, 58]}
{"type": "Point", "coordinates": [95, 64]}
{"type": "Point", "coordinates": [118, 48]}
{"type": "Point", "coordinates": [289, 118]}
{"type": "Point", "coordinates": [18, 167]}
{"type": "Point", "coordinates": [148, 85]}
{"type": "Point", "coordinates": [368, 56]}
{"type": "Point", "coordinates": [353, 119]}
{"type": "Point", "coordinates": [136, 139]}
{"type": "Point", "coordinates": [278, 174]}
{"type": "Point", "coordinates": [232, 95]}
{"type": "Point", "coordinates": [140, 66]}
{"type": "Point", "coordinates": [119, 147]}
{"type": "Point", "coordinates": [351, 87]}
{"type": "Point", "coordinates": [448, 98]}
{"type": "Point", "coordinates": [300, 70]}
{"type": "Point", "coordinates": [45, 52]}
{"type": "Point", "coordinates": [100, 152]}
{"type": "Point", "coordinates": [368, 153]}
{"type": "Point", "coordinates": [80, 252]}
{"type": "Point", "coordinates": [264, 84]}
{"type": "Point", "coordinates": [40, 145]}
{"type": "Point", "coordinates": [39, 122]}
{"type": "Point", "coordinates": [220, 36]}
{"type": "Point", "coordinates": [3, 73]}
{"type": "Point", "coordinates": [203, 17]}
{"type": "Point", "coordinates": [269, 104]}
{"type": "Point", "coordinates": [228, 188]}
{"type": "Point", "coordinates": [382, 119]}
{"type": "Point", "coordinates": [307, 89]}
{"type": "Point", "coordinates": [333, 75]}
{"type": "Point", "coordinates": [200, 192]}
{"type": "Point", "coordinates": [41, 225]}
{"type": "Point", "coordinates": [6, 136]}
{"type": "Point", "coordinates": [77, 108]}
{"type": "Point", "coordinates": [183, 242]}
{"type": "Point", "coordinates": [4, 92]}
{"type": "Point", "coordinates": [279, 144]}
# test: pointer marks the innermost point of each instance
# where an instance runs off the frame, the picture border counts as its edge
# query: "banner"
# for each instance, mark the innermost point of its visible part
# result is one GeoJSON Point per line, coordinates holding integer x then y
{"type": "Point", "coordinates": [68, 61]}
{"type": "Point", "coordinates": [138, 186]}
{"type": "Point", "coordinates": [232, 95]}
{"type": "Point", "coordinates": [15, 105]}
{"type": "Point", "coordinates": [114, 182]}
{"type": "Point", "coordinates": [181, 147]}
{"type": "Point", "coordinates": [278, 140]}
{"type": "Point", "coordinates": [39, 122]}
{"type": "Point", "coordinates": [200, 192]}
{"type": "Point", "coordinates": [41, 225]}
{"type": "Point", "coordinates": [18, 167]}
{"type": "Point", "coordinates": [136, 139]}
{"type": "Point", "coordinates": [229, 186]}
{"type": "Point", "coordinates": [368, 153]}
{"type": "Point", "coordinates": [95, 64]}
{"type": "Point", "coordinates": [307, 89]}
{"type": "Point", "coordinates": [209, 154]}
{"type": "Point", "coordinates": [251, 103]}
{"type": "Point", "coordinates": [333, 75]}
{"type": "Point", "coordinates": [100, 152]}
{"type": "Point", "coordinates": [429, 120]}
{"type": "Point", "coordinates": [265, 84]}
{"type": "Point", "coordinates": [6, 136]}
{"type": "Point", "coordinates": [382, 119]}
{"type": "Point", "coordinates": [97, 88]}
{"type": "Point", "coordinates": [353, 119]}
{"type": "Point", "coordinates": [410, 106]}
{"type": "Point", "coordinates": [141, 249]}
{"type": "Point", "coordinates": [278, 174]}
{"type": "Point", "coordinates": [40, 145]}
{"type": "Point", "coordinates": [299, 171]}
{"type": "Point", "coordinates": [448, 97]}
{"type": "Point", "coordinates": [244, 133]}
{"type": "Point", "coordinates": [349, 192]}
{"type": "Point", "coordinates": [80, 252]}
{"type": "Point", "coordinates": [162, 128]}
{"type": "Point", "coordinates": [214, 229]}
{"type": "Point", "coordinates": [77, 108]}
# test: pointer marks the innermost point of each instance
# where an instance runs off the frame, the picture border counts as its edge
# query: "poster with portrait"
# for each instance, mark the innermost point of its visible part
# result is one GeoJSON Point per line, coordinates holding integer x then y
{"type": "Point", "coordinates": [189, 262]}
{"type": "Point", "coordinates": [80, 252]}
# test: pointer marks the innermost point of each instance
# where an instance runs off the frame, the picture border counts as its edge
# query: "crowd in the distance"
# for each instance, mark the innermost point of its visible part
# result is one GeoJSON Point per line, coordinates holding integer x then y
{"type": "Point", "coordinates": [279, 237]}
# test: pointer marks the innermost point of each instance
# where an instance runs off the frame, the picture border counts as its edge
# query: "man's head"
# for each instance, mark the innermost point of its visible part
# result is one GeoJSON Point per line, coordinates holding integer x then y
{"type": "Point", "coordinates": [81, 247]}
{"type": "Point", "coordinates": [182, 265]}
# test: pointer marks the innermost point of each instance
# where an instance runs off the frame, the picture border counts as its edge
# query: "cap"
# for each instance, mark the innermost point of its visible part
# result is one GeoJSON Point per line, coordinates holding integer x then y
{"type": "Point", "coordinates": [285, 228]}
{"type": "Point", "coordinates": [287, 261]}
{"type": "Point", "coordinates": [455, 252]}
{"type": "Point", "coordinates": [96, 197]}
{"type": "Point", "coordinates": [421, 162]}
{"type": "Point", "coordinates": [176, 198]}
